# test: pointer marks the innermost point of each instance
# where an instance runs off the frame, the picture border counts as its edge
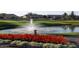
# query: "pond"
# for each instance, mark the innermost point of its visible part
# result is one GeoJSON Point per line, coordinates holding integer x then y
{"type": "Point", "coordinates": [43, 30]}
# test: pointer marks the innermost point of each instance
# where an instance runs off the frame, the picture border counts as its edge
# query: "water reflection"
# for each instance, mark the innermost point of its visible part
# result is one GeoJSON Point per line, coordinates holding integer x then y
{"type": "Point", "coordinates": [44, 30]}
{"type": "Point", "coordinates": [67, 27]}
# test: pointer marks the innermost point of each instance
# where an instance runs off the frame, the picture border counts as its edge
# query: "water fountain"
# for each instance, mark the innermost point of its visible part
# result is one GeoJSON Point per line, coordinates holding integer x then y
{"type": "Point", "coordinates": [32, 27]}
{"type": "Point", "coordinates": [31, 21]}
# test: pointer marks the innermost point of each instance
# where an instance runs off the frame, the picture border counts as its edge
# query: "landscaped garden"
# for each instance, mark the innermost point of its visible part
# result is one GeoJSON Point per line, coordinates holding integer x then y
{"type": "Point", "coordinates": [35, 41]}
{"type": "Point", "coordinates": [57, 40]}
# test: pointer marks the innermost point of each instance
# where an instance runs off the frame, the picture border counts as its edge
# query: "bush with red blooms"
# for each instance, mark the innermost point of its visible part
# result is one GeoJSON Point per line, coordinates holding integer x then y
{"type": "Point", "coordinates": [36, 38]}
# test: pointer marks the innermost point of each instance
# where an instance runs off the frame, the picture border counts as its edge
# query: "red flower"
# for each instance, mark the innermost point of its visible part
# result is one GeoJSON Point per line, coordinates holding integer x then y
{"type": "Point", "coordinates": [37, 38]}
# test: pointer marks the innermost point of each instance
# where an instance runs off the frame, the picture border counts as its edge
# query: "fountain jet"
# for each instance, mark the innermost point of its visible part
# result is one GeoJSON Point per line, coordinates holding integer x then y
{"type": "Point", "coordinates": [31, 21]}
{"type": "Point", "coordinates": [31, 26]}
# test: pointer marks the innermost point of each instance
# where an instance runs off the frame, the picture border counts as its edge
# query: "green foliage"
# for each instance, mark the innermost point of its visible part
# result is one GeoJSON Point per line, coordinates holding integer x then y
{"type": "Point", "coordinates": [16, 42]}
{"type": "Point", "coordinates": [72, 15]}
{"type": "Point", "coordinates": [72, 45]}
{"type": "Point", "coordinates": [6, 41]}
{"type": "Point", "coordinates": [23, 44]}
{"type": "Point", "coordinates": [48, 45]}
{"type": "Point", "coordinates": [8, 24]}
{"type": "Point", "coordinates": [1, 41]}
{"type": "Point", "coordinates": [26, 44]}
{"type": "Point", "coordinates": [65, 16]}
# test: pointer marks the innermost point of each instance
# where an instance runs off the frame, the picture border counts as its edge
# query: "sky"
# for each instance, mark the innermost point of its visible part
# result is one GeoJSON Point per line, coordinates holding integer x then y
{"type": "Point", "coordinates": [22, 7]}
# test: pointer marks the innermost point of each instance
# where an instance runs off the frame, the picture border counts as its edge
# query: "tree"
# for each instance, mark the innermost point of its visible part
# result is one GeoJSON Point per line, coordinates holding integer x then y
{"type": "Point", "coordinates": [65, 16]}
{"type": "Point", "coordinates": [72, 15]}
{"type": "Point", "coordinates": [3, 15]}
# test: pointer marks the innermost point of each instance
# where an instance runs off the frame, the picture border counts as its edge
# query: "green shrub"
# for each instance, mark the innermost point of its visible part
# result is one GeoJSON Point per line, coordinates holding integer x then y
{"type": "Point", "coordinates": [16, 42]}
{"type": "Point", "coordinates": [32, 43]}
{"type": "Point", "coordinates": [57, 45]}
{"type": "Point", "coordinates": [1, 41]}
{"type": "Point", "coordinates": [47, 45]}
{"type": "Point", "coordinates": [6, 41]}
{"type": "Point", "coordinates": [23, 44]}
{"type": "Point", "coordinates": [40, 45]}
{"type": "Point", "coordinates": [64, 46]}
{"type": "Point", "coordinates": [72, 46]}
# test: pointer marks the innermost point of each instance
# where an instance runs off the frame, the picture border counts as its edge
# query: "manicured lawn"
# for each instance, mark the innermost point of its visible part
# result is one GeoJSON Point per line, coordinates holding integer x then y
{"type": "Point", "coordinates": [7, 24]}
{"type": "Point", "coordinates": [40, 22]}
{"type": "Point", "coordinates": [72, 34]}
{"type": "Point", "coordinates": [58, 22]}
{"type": "Point", "coordinates": [14, 22]}
{"type": "Point", "coordinates": [69, 34]}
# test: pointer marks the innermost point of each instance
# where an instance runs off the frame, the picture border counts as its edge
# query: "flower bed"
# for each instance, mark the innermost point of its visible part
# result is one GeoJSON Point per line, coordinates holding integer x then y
{"type": "Point", "coordinates": [36, 38]}
{"type": "Point", "coordinates": [25, 44]}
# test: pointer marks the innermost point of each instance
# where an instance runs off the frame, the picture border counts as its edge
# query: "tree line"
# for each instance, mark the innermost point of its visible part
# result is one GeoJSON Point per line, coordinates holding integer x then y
{"type": "Point", "coordinates": [65, 16]}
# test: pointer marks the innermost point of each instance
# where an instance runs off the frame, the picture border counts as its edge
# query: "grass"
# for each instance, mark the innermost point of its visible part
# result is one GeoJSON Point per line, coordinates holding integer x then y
{"type": "Point", "coordinates": [58, 22]}
{"type": "Point", "coordinates": [72, 34]}
{"type": "Point", "coordinates": [40, 22]}
{"type": "Point", "coordinates": [14, 22]}
{"type": "Point", "coordinates": [69, 34]}
{"type": "Point", "coordinates": [8, 24]}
